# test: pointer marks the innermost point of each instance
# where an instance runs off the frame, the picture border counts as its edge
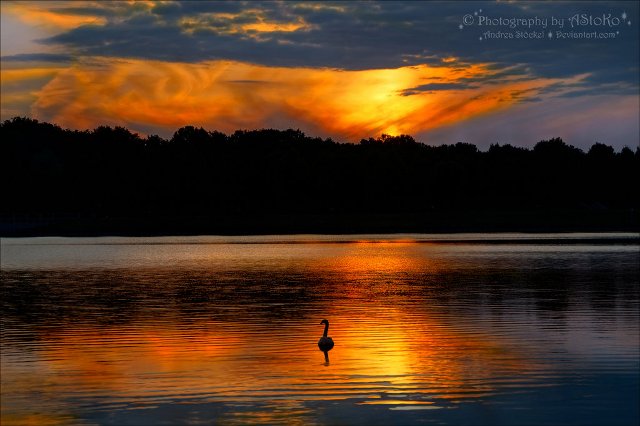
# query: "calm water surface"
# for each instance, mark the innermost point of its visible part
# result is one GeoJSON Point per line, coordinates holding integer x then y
{"type": "Point", "coordinates": [458, 329]}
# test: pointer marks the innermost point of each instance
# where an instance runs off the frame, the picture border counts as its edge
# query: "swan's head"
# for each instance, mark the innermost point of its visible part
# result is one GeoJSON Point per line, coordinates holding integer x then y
{"type": "Point", "coordinates": [324, 321]}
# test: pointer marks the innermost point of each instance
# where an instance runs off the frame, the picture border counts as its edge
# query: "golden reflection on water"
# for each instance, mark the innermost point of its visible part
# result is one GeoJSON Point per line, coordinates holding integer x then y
{"type": "Point", "coordinates": [382, 356]}
{"type": "Point", "coordinates": [396, 345]}
{"type": "Point", "coordinates": [379, 257]}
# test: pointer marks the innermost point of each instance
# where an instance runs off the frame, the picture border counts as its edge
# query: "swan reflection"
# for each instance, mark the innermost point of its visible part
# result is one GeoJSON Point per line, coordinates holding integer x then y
{"type": "Point", "coordinates": [326, 358]}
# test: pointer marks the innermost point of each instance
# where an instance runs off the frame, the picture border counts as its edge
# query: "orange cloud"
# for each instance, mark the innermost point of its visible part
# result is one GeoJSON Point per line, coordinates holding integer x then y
{"type": "Point", "coordinates": [19, 88]}
{"type": "Point", "coordinates": [229, 95]}
{"type": "Point", "coordinates": [18, 75]}
{"type": "Point", "coordinates": [50, 18]}
{"type": "Point", "coordinates": [263, 26]}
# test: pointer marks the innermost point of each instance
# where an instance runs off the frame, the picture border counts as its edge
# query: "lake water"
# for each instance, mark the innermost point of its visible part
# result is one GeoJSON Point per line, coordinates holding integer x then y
{"type": "Point", "coordinates": [428, 329]}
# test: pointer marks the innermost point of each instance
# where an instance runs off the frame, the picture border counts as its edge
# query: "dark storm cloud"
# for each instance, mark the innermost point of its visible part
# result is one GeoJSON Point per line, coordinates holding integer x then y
{"type": "Point", "coordinates": [37, 57]}
{"type": "Point", "coordinates": [364, 35]}
{"type": "Point", "coordinates": [179, 9]}
{"type": "Point", "coordinates": [85, 11]}
{"type": "Point", "coordinates": [248, 82]}
{"type": "Point", "coordinates": [431, 87]}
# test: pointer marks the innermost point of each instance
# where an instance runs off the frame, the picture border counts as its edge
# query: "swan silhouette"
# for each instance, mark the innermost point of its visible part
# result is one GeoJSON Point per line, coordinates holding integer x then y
{"type": "Point", "coordinates": [325, 343]}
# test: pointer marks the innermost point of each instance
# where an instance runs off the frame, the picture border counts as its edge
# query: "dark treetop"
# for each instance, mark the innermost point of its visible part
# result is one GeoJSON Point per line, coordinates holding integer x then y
{"type": "Point", "coordinates": [112, 181]}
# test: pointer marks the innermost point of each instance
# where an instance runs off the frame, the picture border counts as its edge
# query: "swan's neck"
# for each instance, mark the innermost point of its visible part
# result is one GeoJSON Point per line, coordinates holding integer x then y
{"type": "Point", "coordinates": [326, 330]}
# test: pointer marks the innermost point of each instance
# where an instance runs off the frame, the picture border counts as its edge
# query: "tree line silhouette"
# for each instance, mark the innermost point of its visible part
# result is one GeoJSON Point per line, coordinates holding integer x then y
{"type": "Point", "coordinates": [110, 180]}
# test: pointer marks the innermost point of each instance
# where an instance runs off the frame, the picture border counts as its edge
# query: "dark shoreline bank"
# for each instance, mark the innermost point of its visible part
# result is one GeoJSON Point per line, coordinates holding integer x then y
{"type": "Point", "coordinates": [110, 181]}
{"type": "Point", "coordinates": [288, 224]}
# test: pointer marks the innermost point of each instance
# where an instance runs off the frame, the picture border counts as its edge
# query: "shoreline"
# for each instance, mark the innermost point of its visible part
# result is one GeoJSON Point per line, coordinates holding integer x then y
{"type": "Point", "coordinates": [348, 223]}
{"type": "Point", "coordinates": [631, 240]}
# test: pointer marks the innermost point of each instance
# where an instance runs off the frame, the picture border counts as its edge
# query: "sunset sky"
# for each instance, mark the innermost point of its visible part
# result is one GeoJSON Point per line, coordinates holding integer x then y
{"type": "Point", "coordinates": [345, 70]}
